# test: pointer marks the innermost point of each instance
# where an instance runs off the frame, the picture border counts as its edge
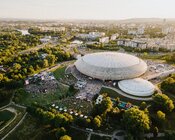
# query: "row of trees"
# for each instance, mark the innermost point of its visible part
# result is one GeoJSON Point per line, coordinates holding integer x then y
{"type": "Point", "coordinates": [58, 122]}
{"type": "Point", "coordinates": [168, 85]}
{"type": "Point", "coordinates": [137, 120]}
{"type": "Point", "coordinates": [25, 64]}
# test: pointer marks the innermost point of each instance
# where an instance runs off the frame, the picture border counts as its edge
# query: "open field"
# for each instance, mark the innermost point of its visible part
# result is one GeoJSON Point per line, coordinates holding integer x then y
{"type": "Point", "coordinates": [60, 75]}
{"type": "Point", "coordinates": [5, 117]}
{"type": "Point", "coordinates": [77, 135]}
{"type": "Point", "coordinates": [6, 95]}
{"type": "Point", "coordinates": [19, 114]}
{"type": "Point", "coordinates": [30, 129]}
{"type": "Point", "coordinates": [59, 72]}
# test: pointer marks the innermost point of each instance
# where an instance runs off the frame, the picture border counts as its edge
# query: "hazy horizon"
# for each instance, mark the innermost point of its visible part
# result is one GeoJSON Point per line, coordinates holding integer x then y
{"type": "Point", "coordinates": [83, 9]}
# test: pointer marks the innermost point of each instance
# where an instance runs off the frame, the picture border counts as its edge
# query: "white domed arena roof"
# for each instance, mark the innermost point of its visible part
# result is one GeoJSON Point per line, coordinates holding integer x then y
{"type": "Point", "coordinates": [111, 66]}
{"type": "Point", "coordinates": [137, 87]}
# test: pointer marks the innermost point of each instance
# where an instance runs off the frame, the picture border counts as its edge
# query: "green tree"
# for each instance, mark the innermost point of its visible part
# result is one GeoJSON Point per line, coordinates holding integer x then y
{"type": "Point", "coordinates": [60, 132]}
{"type": "Point", "coordinates": [51, 59]}
{"type": "Point", "coordinates": [1, 77]}
{"type": "Point", "coordinates": [161, 115]}
{"type": "Point", "coordinates": [104, 107]}
{"type": "Point", "coordinates": [155, 131]}
{"type": "Point", "coordinates": [65, 137]}
{"type": "Point", "coordinates": [45, 63]}
{"type": "Point", "coordinates": [163, 102]}
{"type": "Point", "coordinates": [143, 105]}
{"type": "Point", "coordinates": [136, 121]}
{"type": "Point", "coordinates": [97, 121]}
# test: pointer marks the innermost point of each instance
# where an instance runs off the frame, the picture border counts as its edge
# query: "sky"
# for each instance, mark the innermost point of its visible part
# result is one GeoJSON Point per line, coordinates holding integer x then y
{"type": "Point", "coordinates": [87, 9]}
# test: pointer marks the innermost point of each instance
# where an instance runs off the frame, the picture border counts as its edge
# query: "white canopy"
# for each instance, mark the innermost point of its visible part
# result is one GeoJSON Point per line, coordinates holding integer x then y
{"type": "Point", "coordinates": [137, 87]}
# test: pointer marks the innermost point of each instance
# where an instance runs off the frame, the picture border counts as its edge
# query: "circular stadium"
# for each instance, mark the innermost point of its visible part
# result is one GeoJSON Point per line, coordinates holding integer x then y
{"type": "Point", "coordinates": [111, 66]}
{"type": "Point", "coordinates": [137, 87]}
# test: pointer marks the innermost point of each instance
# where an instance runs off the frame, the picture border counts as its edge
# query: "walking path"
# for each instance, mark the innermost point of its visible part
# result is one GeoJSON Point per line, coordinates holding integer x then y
{"type": "Point", "coordinates": [11, 120]}
{"type": "Point", "coordinates": [129, 96]}
{"type": "Point", "coordinates": [150, 135]}
{"type": "Point", "coordinates": [14, 127]}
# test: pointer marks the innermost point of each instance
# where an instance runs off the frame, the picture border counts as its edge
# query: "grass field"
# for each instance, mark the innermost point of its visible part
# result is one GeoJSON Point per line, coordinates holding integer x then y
{"type": "Point", "coordinates": [77, 135]}
{"type": "Point", "coordinates": [20, 112]}
{"type": "Point", "coordinates": [5, 117]}
{"type": "Point", "coordinates": [7, 95]}
{"type": "Point", "coordinates": [60, 72]}
{"type": "Point", "coordinates": [30, 129]}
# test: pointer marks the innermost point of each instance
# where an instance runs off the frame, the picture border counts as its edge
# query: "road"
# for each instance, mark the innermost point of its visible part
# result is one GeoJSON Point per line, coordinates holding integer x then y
{"type": "Point", "coordinates": [159, 75]}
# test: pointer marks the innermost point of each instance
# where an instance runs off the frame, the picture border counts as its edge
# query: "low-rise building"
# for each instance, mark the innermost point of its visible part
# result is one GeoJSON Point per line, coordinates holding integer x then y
{"type": "Point", "coordinates": [104, 40]}
{"type": "Point", "coordinates": [45, 39]}
{"type": "Point", "coordinates": [114, 36]}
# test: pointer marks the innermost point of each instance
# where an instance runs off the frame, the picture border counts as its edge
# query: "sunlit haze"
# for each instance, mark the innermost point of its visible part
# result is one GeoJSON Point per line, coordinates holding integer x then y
{"type": "Point", "coordinates": [87, 9]}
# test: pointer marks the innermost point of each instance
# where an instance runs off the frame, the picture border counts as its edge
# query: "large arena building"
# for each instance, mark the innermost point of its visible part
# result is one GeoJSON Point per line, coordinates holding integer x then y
{"type": "Point", "coordinates": [122, 67]}
{"type": "Point", "coordinates": [111, 66]}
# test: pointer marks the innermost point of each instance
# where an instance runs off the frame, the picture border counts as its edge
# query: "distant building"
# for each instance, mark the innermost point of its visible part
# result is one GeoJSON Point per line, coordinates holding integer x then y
{"type": "Point", "coordinates": [91, 36]}
{"type": "Point", "coordinates": [45, 39]}
{"type": "Point", "coordinates": [132, 32]}
{"type": "Point", "coordinates": [168, 29]}
{"type": "Point", "coordinates": [60, 29]}
{"type": "Point", "coordinates": [132, 43]}
{"type": "Point", "coordinates": [114, 36]}
{"type": "Point", "coordinates": [77, 42]}
{"type": "Point", "coordinates": [120, 42]}
{"type": "Point", "coordinates": [140, 30]}
{"type": "Point", "coordinates": [104, 40]}
{"type": "Point", "coordinates": [44, 55]}
{"type": "Point", "coordinates": [75, 30]}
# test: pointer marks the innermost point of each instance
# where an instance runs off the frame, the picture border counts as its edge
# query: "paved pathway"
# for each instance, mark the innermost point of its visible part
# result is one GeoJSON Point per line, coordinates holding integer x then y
{"type": "Point", "coordinates": [11, 120]}
{"type": "Point", "coordinates": [118, 137]}
{"type": "Point", "coordinates": [159, 75]}
{"type": "Point", "coordinates": [150, 135]}
{"type": "Point", "coordinates": [14, 127]}
{"type": "Point", "coordinates": [129, 96]}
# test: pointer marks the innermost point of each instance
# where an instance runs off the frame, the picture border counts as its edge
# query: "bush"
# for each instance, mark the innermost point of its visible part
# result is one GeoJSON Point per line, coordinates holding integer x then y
{"type": "Point", "coordinates": [136, 121]}
{"type": "Point", "coordinates": [163, 102]}
{"type": "Point", "coordinates": [169, 135]}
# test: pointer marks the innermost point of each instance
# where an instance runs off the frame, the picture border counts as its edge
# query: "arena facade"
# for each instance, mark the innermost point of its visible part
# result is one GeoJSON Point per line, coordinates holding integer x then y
{"type": "Point", "coordinates": [111, 66]}
{"type": "Point", "coordinates": [121, 67]}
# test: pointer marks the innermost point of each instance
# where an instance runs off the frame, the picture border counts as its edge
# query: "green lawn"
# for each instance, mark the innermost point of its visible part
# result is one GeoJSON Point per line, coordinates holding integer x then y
{"type": "Point", "coordinates": [59, 72]}
{"type": "Point", "coordinates": [6, 95]}
{"type": "Point", "coordinates": [30, 129]}
{"type": "Point", "coordinates": [5, 116]}
{"type": "Point", "coordinates": [77, 135]}
{"type": "Point", "coordinates": [43, 99]}
{"type": "Point", "coordinates": [60, 75]}
{"type": "Point", "coordinates": [20, 113]}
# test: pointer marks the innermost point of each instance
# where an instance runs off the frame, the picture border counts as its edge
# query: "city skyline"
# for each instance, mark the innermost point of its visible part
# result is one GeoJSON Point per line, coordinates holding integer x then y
{"type": "Point", "coordinates": [91, 9]}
